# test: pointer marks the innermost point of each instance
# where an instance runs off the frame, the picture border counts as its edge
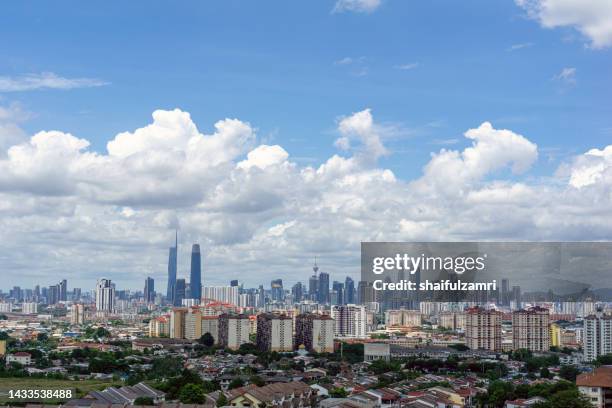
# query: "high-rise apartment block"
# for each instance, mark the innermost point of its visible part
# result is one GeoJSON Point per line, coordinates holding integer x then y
{"type": "Point", "coordinates": [350, 321]}
{"type": "Point", "coordinates": [403, 317]}
{"type": "Point", "coordinates": [452, 320]}
{"type": "Point", "coordinates": [315, 332]}
{"type": "Point", "coordinates": [530, 329]}
{"type": "Point", "coordinates": [597, 336]}
{"type": "Point", "coordinates": [177, 322]}
{"type": "Point", "coordinates": [274, 332]}
{"type": "Point", "coordinates": [233, 330]}
{"type": "Point", "coordinates": [483, 329]}
{"type": "Point", "coordinates": [77, 314]}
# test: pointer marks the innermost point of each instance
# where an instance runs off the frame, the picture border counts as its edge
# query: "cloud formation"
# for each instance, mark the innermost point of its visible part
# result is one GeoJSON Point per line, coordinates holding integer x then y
{"type": "Point", "coordinates": [45, 80]}
{"type": "Point", "coordinates": [359, 6]}
{"type": "Point", "coordinates": [86, 214]}
{"type": "Point", "coordinates": [592, 18]}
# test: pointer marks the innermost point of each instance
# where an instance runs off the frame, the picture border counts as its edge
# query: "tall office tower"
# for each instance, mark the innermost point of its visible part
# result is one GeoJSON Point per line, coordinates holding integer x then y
{"type": "Point", "coordinates": [77, 314]}
{"type": "Point", "coordinates": [313, 283]}
{"type": "Point", "coordinates": [323, 289]}
{"type": "Point", "coordinates": [177, 322]}
{"type": "Point", "coordinates": [15, 293]}
{"type": "Point", "coordinates": [315, 332]}
{"type": "Point", "coordinates": [179, 292]}
{"type": "Point", "coordinates": [530, 329]}
{"type": "Point", "coordinates": [233, 330]}
{"type": "Point", "coordinates": [505, 292]}
{"type": "Point", "coordinates": [196, 273]}
{"type": "Point", "coordinates": [63, 287]}
{"type": "Point", "coordinates": [597, 336]}
{"type": "Point", "coordinates": [105, 296]}
{"type": "Point", "coordinates": [277, 291]}
{"type": "Point", "coordinates": [274, 332]}
{"type": "Point", "coordinates": [350, 321]}
{"type": "Point", "coordinates": [53, 294]}
{"type": "Point", "coordinates": [298, 292]}
{"type": "Point", "coordinates": [37, 293]}
{"type": "Point", "coordinates": [338, 288]}
{"type": "Point", "coordinates": [365, 293]}
{"type": "Point", "coordinates": [403, 318]}
{"type": "Point", "coordinates": [349, 291]}
{"type": "Point", "coordinates": [76, 294]}
{"type": "Point", "coordinates": [313, 287]}
{"type": "Point", "coordinates": [149, 290]}
{"type": "Point", "coordinates": [516, 296]}
{"type": "Point", "coordinates": [172, 268]}
{"type": "Point", "coordinates": [483, 329]}
{"type": "Point", "coordinates": [261, 296]}
{"type": "Point", "coordinates": [234, 282]}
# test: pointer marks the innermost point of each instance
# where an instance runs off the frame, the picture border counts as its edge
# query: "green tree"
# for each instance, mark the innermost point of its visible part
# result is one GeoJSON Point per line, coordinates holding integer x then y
{"type": "Point", "coordinates": [235, 383]}
{"type": "Point", "coordinates": [165, 367]}
{"type": "Point", "coordinates": [338, 392]}
{"type": "Point", "coordinates": [144, 401]}
{"type": "Point", "coordinates": [207, 340]}
{"type": "Point", "coordinates": [544, 372]}
{"type": "Point", "coordinates": [570, 399]}
{"type": "Point", "coordinates": [42, 337]}
{"type": "Point", "coordinates": [257, 380]}
{"type": "Point", "coordinates": [192, 394]}
{"type": "Point", "coordinates": [499, 392]}
{"type": "Point", "coordinates": [222, 400]}
{"type": "Point", "coordinates": [569, 372]}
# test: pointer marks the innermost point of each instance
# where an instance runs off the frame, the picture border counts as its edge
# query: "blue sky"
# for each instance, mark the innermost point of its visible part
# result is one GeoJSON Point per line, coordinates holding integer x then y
{"type": "Point", "coordinates": [278, 66]}
{"type": "Point", "coordinates": [306, 169]}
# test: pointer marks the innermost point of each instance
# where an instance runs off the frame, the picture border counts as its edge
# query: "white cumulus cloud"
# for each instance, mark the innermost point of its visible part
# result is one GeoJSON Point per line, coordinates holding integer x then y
{"type": "Point", "coordinates": [592, 18]}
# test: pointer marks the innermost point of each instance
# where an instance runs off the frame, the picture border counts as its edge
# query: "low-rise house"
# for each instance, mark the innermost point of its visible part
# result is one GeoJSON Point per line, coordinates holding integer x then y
{"type": "Point", "coordinates": [21, 357]}
{"type": "Point", "coordinates": [597, 386]}
{"type": "Point", "coordinates": [287, 395]}
{"type": "Point", "coordinates": [524, 403]}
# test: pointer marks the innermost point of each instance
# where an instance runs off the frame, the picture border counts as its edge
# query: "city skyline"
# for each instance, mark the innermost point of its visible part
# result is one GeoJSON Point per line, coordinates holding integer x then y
{"type": "Point", "coordinates": [338, 124]}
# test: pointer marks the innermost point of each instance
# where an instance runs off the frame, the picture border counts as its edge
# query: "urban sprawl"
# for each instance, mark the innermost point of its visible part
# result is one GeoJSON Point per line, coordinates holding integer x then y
{"type": "Point", "coordinates": [342, 345]}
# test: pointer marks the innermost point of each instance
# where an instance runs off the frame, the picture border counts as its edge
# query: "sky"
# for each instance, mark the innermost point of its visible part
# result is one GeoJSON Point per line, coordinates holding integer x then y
{"type": "Point", "coordinates": [273, 132]}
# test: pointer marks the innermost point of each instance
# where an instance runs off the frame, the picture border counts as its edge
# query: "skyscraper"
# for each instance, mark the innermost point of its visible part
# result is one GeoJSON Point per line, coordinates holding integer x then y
{"type": "Point", "coordinates": [53, 294]}
{"type": "Point", "coordinates": [313, 283]}
{"type": "Point", "coordinates": [298, 292]}
{"type": "Point", "coordinates": [277, 291]}
{"type": "Point", "coordinates": [63, 286]}
{"type": "Point", "coordinates": [149, 290]}
{"type": "Point", "coordinates": [338, 289]}
{"type": "Point", "coordinates": [349, 291]}
{"type": "Point", "coordinates": [179, 292]}
{"type": "Point", "coordinates": [105, 296]}
{"type": "Point", "coordinates": [196, 273]}
{"type": "Point", "coordinates": [323, 290]}
{"type": "Point", "coordinates": [172, 267]}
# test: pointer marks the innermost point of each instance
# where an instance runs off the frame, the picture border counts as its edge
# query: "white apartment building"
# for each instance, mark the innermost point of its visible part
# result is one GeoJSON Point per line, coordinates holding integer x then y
{"type": "Point", "coordinates": [597, 336]}
{"type": "Point", "coordinates": [351, 321]}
